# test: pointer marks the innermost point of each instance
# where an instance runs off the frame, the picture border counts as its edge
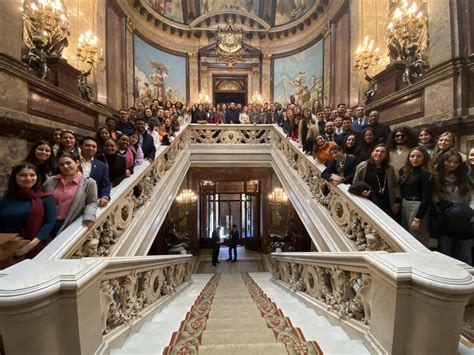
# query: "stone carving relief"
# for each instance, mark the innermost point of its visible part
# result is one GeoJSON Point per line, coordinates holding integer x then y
{"type": "Point", "coordinates": [347, 293]}
{"type": "Point", "coordinates": [122, 299]}
{"type": "Point", "coordinates": [241, 135]}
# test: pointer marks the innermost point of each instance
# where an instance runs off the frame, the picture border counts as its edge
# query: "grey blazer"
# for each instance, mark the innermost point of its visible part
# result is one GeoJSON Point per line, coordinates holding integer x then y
{"type": "Point", "coordinates": [84, 203]}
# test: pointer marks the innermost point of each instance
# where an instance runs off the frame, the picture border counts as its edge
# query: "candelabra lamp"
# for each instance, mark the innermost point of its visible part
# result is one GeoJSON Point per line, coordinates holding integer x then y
{"type": "Point", "coordinates": [366, 57]}
{"type": "Point", "coordinates": [45, 33]}
{"type": "Point", "coordinates": [186, 200]}
{"type": "Point", "coordinates": [87, 53]}
{"type": "Point", "coordinates": [203, 98]}
{"type": "Point", "coordinates": [257, 99]}
{"type": "Point", "coordinates": [407, 39]}
{"type": "Point", "coordinates": [278, 198]}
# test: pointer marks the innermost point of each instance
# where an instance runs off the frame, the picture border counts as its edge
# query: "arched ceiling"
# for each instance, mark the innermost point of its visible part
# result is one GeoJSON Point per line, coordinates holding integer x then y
{"type": "Point", "coordinates": [264, 18]}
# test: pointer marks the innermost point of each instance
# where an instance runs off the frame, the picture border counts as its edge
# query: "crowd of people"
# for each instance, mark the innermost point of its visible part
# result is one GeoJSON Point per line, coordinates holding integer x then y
{"type": "Point", "coordinates": [418, 179]}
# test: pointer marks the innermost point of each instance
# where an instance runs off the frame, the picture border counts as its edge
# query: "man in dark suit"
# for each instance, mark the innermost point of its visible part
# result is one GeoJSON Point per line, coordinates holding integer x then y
{"type": "Point", "coordinates": [232, 114]}
{"type": "Point", "coordinates": [360, 120]}
{"type": "Point", "coordinates": [95, 169]}
{"type": "Point", "coordinates": [233, 240]}
{"type": "Point", "coordinates": [216, 245]}
{"type": "Point", "coordinates": [278, 118]}
{"type": "Point", "coordinates": [146, 142]}
{"type": "Point", "coordinates": [381, 130]}
{"type": "Point", "coordinates": [341, 169]}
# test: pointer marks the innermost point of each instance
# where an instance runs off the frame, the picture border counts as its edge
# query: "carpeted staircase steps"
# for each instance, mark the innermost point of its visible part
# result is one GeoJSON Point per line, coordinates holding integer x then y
{"type": "Point", "coordinates": [233, 314]}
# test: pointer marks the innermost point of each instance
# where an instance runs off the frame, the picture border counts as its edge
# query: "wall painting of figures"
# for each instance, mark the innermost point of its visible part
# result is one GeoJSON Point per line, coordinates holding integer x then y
{"type": "Point", "coordinates": [290, 10]}
{"type": "Point", "coordinates": [299, 75]}
{"type": "Point", "coordinates": [158, 73]}
{"type": "Point", "coordinates": [172, 9]}
{"type": "Point", "coordinates": [251, 6]}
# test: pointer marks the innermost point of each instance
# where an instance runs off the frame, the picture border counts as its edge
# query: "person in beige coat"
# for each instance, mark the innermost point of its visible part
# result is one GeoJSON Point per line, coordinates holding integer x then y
{"type": "Point", "coordinates": [379, 174]}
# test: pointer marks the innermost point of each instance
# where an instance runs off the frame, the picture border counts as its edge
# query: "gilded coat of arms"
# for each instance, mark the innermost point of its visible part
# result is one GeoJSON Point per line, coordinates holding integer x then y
{"type": "Point", "coordinates": [230, 44]}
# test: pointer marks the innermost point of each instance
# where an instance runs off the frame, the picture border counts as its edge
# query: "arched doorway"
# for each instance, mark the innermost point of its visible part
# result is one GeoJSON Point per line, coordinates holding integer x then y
{"type": "Point", "coordinates": [227, 89]}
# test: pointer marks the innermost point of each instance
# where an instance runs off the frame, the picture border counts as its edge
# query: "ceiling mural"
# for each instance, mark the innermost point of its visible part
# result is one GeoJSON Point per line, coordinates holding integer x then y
{"type": "Point", "coordinates": [290, 10]}
{"type": "Point", "coordinates": [172, 9]}
{"type": "Point", "coordinates": [208, 6]}
{"type": "Point", "coordinates": [273, 12]}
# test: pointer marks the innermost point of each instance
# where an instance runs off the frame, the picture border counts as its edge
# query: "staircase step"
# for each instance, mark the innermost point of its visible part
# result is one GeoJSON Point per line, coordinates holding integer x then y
{"type": "Point", "coordinates": [145, 342]}
{"type": "Point", "coordinates": [243, 349]}
{"type": "Point", "coordinates": [241, 308]}
{"type": "Point", "coordinates": [344, 347]}
{"type": "Point", "coordinates": [233, 313]}
{"type": "Point", "coordinates": [234, 302]}
{"type": "Point", "coordinates": [243, 336]}
{"type": "Point", "coordinates": [236, 323]}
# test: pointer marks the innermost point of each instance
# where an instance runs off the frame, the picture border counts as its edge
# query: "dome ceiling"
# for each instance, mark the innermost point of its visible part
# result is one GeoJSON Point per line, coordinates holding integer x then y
{"type": "Point", "coordinates": [270, 18]}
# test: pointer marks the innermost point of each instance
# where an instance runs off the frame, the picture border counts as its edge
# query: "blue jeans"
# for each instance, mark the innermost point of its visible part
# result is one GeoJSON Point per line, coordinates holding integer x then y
{"type": "Point", "coordinates": [456, 248]}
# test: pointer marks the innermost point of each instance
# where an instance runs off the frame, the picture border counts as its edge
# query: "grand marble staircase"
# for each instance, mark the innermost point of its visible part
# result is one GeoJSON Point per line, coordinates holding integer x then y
{"type": "Point", "coordinates": [238, 314]}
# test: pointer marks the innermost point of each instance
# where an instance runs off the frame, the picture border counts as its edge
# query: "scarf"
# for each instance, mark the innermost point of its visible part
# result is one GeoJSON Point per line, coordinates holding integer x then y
{"type": "Point", "coordinates": [129, 158]}
{"type": "Point", "coordinates": [36, 213]}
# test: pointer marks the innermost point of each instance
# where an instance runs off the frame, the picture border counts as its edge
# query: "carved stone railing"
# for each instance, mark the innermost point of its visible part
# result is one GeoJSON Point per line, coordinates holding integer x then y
{"type": "Point", "coordinates": [361, 222]}
{"type": "Point", "coordinates": [349, 222]}
{"type": "Point", "coordinates": [399, 303]}
{"type": "Point", "coordinates": [127, 203]}
{"type": "Point", "coordinates": [80, 306]}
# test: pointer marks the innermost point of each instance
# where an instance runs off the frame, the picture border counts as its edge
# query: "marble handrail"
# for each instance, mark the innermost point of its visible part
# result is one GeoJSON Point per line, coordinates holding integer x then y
{"type": "Point", "coordinates": [127, 202]}
{"type": "Point", "coordinates": [400, 303]}
{"type": "Point", "coordinates": [83, 305]}
{"type": "Point", "coordinates": [355, 222]}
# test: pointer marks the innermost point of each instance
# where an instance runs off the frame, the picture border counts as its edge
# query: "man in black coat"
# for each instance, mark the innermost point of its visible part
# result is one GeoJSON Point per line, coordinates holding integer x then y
{"type": "Point", "coordinates": [147, 143]}
{"type": "Point", "coordinates": [233, 240]}
{"type": "Point", "coordinates": [125, 124]}
{"type": "Point", "coordinates": [232, 114]}
{"type": "Point", "coordinates": [342, 168]}
{"type": "Point", "coordinates": [216, 245]}
{"type": "Point", "coordinates": [381, 130]}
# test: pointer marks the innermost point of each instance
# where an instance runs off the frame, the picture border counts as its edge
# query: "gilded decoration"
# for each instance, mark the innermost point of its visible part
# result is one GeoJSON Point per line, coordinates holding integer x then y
{"type": "Point", "coordinates": [230, 44]}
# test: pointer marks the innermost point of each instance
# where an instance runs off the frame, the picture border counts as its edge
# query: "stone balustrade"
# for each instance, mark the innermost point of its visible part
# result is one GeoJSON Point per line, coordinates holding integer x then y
{"type": "Point", "coordinates": [80, 306]}
{"type": "Point", "coordinates": [355, 222]}
{"type": "Point", "coordinates": [399, 303]}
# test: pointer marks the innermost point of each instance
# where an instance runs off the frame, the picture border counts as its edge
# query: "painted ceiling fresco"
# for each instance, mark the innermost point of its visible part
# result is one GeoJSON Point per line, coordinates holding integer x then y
{"type": "Point", "coordinates": [274, 12]}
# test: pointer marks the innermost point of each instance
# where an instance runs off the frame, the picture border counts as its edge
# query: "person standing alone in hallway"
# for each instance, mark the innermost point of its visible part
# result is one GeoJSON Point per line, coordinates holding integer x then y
{"type": "Point", "coordinates": [233, 240]}
{"type": "Point", "coordinates": [216, 245]}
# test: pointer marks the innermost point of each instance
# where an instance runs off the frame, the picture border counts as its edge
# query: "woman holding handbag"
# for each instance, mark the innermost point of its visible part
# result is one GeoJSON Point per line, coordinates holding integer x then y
{"type": "Point", "coordinates": [26, 210]}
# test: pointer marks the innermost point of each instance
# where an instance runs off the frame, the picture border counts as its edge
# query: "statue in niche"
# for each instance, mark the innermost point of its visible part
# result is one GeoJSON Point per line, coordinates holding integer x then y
{"type": "Point", "coordinates": [176, 241]}
{"type": "Point", "coordinates": [289, 241]}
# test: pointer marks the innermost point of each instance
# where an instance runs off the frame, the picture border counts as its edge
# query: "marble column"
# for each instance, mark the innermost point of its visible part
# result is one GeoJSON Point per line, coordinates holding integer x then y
{"type": "Point", "coordinates": [266, 76]}
{"type": "Point", "coordinates": [130, 80]}
{"type": "Point", "coordinates": [11, 27]}
{"type": "Point", "coordinates": [193, 75]}
{"type": "Point", "coordinates": [440, 46]}
{"type": "Point", "coordinates": [327, 65]}
{"type": "Point", "coordinates": [100, 74]}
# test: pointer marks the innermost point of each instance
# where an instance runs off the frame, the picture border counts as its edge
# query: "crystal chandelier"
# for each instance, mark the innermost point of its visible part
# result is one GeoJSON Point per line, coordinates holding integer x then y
{"type": "Point", "coordinates": [407, 38]}
{"type": "Point", "coordinates": [257, 99]}
{"type": "Point", "coordinates": [187, 199]}
{"type": "Point", "coordinates": [203, 98]}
